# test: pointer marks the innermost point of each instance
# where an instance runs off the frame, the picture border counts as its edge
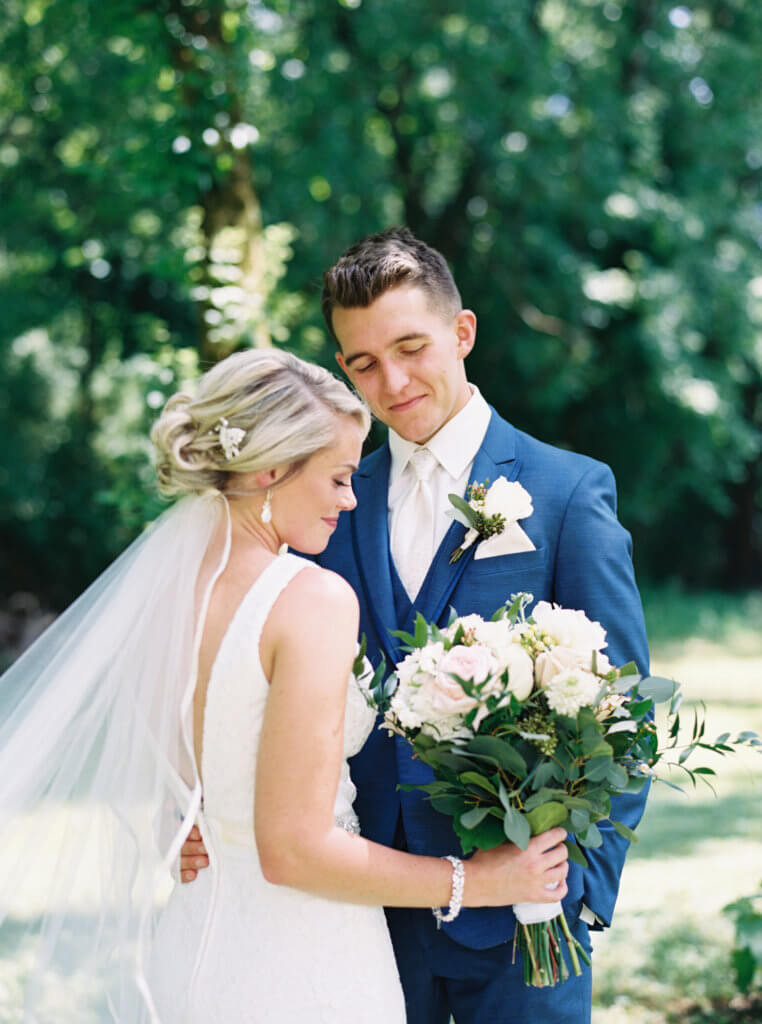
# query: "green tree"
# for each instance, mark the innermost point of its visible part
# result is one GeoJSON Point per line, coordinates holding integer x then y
{"type": "Point", "coordinates": [592, 172]}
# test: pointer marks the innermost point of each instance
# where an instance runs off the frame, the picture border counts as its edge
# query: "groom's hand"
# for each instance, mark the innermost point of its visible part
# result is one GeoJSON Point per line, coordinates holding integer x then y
{"type": "Point", "coordinates": [193, 856]}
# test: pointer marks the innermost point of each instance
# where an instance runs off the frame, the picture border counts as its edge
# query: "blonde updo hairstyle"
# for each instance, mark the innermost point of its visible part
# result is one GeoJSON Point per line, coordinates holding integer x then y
{"type": "Point", "coordinates": [287, 408]}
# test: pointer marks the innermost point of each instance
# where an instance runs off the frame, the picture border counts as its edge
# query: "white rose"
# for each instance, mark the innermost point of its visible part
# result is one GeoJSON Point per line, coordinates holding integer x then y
{"type": "Point", "coordinates": [468, 622]}
{"type": "Point", "coordinates": [570, 628]}
{"type": "Point", "coordinates": [408, 667]}
{"type": "Point", "coordinates": [569, 691]}
{"type": "Point", "coordinates": [500, 638]}
{"type": "Point", "coordinates": [430, 656]}
{"type": "Point", "coordinates": [520, 671]}
{"type": "Point", "coordinates": [495, 635]}
{"type": "Point", "coordinates": [509, 499]}
{"type": "Point", "coordinates": [559, 659]}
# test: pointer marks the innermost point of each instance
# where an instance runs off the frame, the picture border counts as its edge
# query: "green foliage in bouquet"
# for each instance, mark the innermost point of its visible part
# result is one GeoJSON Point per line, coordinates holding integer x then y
{"type": "Point", "coordinates": [526, 768]}
{"type": "Point", "coordinates": [527, 726]}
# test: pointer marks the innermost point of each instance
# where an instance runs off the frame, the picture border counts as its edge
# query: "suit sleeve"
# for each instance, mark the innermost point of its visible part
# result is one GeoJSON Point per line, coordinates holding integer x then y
{"type": "Point", "coordinates": [594, 572]}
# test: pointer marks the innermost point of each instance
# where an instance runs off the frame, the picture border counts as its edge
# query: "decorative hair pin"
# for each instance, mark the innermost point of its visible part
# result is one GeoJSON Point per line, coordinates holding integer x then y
{"type": "Point", "coordinates": [230, 438]}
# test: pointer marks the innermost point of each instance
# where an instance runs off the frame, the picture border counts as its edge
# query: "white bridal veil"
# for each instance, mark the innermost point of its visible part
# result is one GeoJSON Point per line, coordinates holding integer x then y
{"type": "Point", "coordinates": [98, 784]}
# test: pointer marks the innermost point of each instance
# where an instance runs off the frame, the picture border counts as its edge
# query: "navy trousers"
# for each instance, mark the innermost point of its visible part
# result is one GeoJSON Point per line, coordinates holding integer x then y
{"type": "Point", "coordinates": [442, 978]}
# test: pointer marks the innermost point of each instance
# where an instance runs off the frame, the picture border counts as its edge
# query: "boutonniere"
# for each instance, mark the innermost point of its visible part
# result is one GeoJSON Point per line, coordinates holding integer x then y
{"type": "Point", "coordinates": [488, 510]}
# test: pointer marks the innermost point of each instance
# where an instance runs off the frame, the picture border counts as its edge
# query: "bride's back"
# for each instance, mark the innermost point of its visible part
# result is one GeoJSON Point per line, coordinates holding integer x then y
{"type": "Point", "coordinates": [244, 567]}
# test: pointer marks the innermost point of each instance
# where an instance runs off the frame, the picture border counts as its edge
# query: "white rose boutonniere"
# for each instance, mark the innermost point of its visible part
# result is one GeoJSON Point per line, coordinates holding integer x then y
{"type": "Point", "coordinates": [489, 510]}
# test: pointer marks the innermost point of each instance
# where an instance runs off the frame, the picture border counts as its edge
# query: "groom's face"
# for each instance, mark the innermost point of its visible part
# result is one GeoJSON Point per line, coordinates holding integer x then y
{"type": "Point", "coordinates": [405, 357]}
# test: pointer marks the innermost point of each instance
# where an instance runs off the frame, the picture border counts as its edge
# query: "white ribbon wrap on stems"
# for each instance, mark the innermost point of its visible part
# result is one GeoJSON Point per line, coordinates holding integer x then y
{"type": "Point", "coordinates": [536, 913]}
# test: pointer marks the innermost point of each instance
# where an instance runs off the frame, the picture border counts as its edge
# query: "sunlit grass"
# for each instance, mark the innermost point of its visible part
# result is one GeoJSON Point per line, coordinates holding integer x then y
{"type": "Point", "coordinates": [667, 957]}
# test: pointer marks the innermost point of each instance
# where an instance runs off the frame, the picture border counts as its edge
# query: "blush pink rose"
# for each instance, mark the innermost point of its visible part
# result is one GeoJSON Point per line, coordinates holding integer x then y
{"type": "Point", "coordinates": [474, 662]}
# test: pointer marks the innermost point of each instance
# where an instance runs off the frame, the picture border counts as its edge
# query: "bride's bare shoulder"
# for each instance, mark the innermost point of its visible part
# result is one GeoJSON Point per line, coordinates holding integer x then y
{"type": "Point", "coordinates": [318, 598]}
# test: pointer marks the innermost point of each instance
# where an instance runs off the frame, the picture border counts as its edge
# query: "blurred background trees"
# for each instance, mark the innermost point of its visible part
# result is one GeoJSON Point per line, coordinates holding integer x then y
{"type": "Point", "coordinates": [175, 174]}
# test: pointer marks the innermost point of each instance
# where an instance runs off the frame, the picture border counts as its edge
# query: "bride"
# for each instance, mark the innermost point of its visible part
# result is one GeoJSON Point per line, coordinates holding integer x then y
{"type": "Point", "coordinates": [205, 679]}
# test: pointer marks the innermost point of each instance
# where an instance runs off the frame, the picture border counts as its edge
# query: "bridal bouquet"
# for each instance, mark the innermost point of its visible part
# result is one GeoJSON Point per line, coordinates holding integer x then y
{"type": "Point", "coordinates": [527, 725]}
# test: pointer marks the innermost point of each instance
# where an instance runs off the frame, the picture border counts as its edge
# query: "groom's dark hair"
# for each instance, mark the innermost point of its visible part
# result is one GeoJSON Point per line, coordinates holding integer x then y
{"type": "Point", "coordinates": [386, 260]}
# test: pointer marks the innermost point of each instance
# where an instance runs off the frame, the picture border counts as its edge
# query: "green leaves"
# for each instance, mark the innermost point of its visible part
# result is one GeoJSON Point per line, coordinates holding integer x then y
{"type": "Point", "coordinates": [576, 856]}
{"type": "Point", "coordinates": [546, 816]}
{"type": "Point", "coordinates": [462, 506]}
{"type": "Point", "coordinates": [591, 838]}
{"type": "Point", "coordinates": [657, 688]}
{"type": "Point", "coordinates": [746, 957]}
{"type": "Point", "coordinates": [517, 828]}
{"type": "Point", "coordinates": [474, 817]}
{"type": "Point", "coordinates": [502, 752]}
{"type": "Point", "coordinates": [625, 831]}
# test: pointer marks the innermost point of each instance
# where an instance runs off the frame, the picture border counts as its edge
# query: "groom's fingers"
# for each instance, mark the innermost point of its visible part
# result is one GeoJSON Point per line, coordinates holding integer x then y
{"type": "Point", "coordinates": [192, 855]}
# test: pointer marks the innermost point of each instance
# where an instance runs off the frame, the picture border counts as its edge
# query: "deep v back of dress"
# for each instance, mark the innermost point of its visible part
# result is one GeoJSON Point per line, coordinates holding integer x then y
{"type": "Point", "coordinates": [231, 947]}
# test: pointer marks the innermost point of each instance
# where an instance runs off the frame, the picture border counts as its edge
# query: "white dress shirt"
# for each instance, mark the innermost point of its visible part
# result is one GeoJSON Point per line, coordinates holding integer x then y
{"type": "Point", "coordinates": [454, 446]}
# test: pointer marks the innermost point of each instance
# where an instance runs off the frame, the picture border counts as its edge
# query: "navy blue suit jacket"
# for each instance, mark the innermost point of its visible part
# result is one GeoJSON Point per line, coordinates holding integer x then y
{"type": "Point", "coordinates": [582, 560]}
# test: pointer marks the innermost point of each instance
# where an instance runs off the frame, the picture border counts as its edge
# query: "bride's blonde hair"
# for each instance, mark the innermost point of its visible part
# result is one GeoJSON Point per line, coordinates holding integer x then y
{"type": "Point", "coordinates": [287, 409]}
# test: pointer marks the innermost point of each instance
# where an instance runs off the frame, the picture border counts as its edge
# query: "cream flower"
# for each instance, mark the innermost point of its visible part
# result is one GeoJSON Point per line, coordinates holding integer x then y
{"type": "Point", "coordinates": [569, 691]}
{"type": "Point", "coordinates": [500, 638]}
{"type": "Point", "coordinates": [562, 659]}
{"type": "Point", "coordinates": [569, 628]}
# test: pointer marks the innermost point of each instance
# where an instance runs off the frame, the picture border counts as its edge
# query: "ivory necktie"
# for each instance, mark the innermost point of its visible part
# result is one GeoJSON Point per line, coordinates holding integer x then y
{"type": "Point", "coordinates": [412, 542]}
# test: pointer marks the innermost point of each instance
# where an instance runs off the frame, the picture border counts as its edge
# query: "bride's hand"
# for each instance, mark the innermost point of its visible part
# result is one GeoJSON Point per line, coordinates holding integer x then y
{"type": "Point", "coordinates": [507, 875]}
{"type": "Point", "coordinates": [193, 856]}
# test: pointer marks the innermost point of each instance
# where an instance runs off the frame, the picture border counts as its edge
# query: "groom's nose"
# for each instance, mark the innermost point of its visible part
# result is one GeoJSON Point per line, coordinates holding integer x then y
{"type": "Point", "coordinates": [394, 376]}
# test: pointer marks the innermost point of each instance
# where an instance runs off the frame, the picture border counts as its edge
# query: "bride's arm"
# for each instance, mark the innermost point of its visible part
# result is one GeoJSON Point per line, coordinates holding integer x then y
{"type": "Point", "coordinates": [310, 640]}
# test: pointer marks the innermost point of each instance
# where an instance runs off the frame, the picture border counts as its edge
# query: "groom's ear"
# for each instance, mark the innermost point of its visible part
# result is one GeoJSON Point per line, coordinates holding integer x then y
{"type": "Point", "coordinates": [342, 364]}
{"type": "Point", "coordinates": [465, 330]}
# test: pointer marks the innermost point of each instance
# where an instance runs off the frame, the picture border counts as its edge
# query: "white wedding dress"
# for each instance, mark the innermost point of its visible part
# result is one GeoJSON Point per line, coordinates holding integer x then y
{"type": "Point", "coordinates": [231, 948]}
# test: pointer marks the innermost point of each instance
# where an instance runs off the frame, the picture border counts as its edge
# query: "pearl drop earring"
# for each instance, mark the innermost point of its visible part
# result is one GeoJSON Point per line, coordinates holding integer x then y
{"type": "Point", "coordinates": [267, 511]}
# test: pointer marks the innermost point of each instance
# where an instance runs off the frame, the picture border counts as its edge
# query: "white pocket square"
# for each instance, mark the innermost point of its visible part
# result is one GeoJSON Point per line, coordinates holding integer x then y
{"type": "Point", "coordinates": [510, 542]}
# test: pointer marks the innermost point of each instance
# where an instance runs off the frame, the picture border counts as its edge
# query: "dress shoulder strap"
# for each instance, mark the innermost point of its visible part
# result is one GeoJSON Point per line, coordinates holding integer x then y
{"type": "Point", "coordinates": [268, 588]}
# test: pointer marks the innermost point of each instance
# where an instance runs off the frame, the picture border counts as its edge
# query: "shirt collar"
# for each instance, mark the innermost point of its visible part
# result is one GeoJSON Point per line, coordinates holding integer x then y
{"type": "Point", "coordinates": [454, 445]}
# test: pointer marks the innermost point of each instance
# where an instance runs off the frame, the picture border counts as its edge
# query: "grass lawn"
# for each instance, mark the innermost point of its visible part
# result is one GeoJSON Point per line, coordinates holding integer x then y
{"type": "Point", "coordinates": [667, 957]}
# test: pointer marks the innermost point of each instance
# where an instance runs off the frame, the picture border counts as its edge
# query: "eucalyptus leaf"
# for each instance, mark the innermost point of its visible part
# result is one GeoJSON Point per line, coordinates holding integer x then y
{"type": "Point", "coordinates": [464, 508]}
{"type": "Point", "coordinates": [625, 831]}
{"type": "Point", "coordinates": [546, 816]}
{"type": "Point", "coordinates": [579, 820]}
{"type": "Point", "coordinates": [617, 776]}
{"type": "Point", "coordinates": [503, 752]}
{"type": "Point", "coordinates": [476, 779]}
{"type": "Point", "coordinates": [657, 688]}
{"type": "Point", "coordinates": [576, 856]}
{"type": "Point", "coordinates": [474, 817]}
{"type": "Point", "coordinates": [598, 768]}
{"type": "Point", "coordinates": [516, 828]}
{"type": "Point", "coordinates": [546, 772]}
{"type": "Point", "coordinates": [591, 838]}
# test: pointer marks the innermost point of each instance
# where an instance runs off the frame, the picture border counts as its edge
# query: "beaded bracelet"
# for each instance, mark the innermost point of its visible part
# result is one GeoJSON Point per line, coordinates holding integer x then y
{"type": "Point", "coordinates": [456, 897]}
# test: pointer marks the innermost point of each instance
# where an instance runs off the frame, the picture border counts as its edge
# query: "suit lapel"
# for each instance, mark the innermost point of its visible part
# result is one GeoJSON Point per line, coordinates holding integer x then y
{"type": "Point", "coordinates": [370, 536]}
{"type": "Point", "coordinates": [496, 457]}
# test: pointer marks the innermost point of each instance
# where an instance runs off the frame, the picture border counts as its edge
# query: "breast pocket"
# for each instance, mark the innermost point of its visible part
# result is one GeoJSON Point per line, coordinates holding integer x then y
{"type": "Point", "coordinates": [491, 582]}
{"type": "Point", "coordinates": [508, 565]}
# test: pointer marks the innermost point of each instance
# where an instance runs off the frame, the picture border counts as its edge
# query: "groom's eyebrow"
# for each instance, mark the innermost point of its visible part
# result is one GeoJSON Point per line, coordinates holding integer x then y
{"type": "Point", "coordinates": [410, 336]}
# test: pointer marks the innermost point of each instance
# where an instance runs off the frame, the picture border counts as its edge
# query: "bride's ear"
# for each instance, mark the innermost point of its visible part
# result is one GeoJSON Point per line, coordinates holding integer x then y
{"type": "Point", "coordinates": [257, 481]}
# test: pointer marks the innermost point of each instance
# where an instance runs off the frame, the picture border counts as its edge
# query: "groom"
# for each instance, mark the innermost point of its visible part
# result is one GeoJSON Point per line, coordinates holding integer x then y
{"type": "Point", "coordinates": [393, 308]}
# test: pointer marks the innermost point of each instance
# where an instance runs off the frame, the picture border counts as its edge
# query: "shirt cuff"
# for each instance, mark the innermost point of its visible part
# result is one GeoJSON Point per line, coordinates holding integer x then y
{"type": "Point", "coordinates": [587, 915]}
